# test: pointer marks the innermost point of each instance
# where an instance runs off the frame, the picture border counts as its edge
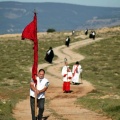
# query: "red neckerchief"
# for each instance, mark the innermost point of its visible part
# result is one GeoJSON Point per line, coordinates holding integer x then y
{"type": "Point", "coordinates": [75, 70]}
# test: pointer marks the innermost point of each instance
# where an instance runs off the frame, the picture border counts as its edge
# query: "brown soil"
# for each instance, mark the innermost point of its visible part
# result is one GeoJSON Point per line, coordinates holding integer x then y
{"type": "Point", "coordinates": [59, 105]}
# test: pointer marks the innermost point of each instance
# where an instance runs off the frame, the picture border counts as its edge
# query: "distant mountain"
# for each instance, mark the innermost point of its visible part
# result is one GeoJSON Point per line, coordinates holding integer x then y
{"type": "Point", "coordinates": [14, 16]}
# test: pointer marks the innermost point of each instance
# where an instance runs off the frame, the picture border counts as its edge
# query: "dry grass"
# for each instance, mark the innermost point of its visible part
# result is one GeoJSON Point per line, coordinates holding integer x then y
{"type": "Point", "coordinates": [16, 57]}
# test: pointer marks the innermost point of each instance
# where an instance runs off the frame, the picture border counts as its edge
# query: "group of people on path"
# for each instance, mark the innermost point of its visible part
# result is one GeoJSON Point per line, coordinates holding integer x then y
{"type": "Point", "coordinates": [50, 53]}
{"type": "Point", "coordinates": [39, 88]}
{"type": "Point", "coordinates": [73, 76]}
{"type": "Point", "coordinates": [91, 35]}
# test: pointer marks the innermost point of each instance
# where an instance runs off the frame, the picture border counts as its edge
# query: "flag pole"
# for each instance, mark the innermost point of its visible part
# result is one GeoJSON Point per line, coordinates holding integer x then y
{"type": "Point", "coordinates": [30, 32]}
{"type": "Point", "coordinates": [35, 107]}
{"type": "Point", "coordinates": [36, 57]}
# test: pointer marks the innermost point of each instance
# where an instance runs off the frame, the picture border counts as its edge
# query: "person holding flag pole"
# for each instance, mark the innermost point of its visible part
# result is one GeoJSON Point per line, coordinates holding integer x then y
{"type": "Point", "coordinates": [39, 91]}
{"type": "Point", "coordinates": [38, 84]}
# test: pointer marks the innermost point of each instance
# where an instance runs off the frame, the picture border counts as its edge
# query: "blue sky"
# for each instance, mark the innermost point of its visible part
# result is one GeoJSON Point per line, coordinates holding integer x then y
{"type": "Point", "coordinates": [104, 3]}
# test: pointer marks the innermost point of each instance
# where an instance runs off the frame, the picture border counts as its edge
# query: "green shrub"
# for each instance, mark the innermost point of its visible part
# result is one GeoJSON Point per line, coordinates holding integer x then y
{"type": "Point", "coordinates": [51, 30]}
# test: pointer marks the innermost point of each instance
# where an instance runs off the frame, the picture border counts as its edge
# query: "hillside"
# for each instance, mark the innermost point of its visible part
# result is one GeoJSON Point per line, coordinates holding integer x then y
{"type": "Point", "coordinates": [62, 17]}
{"type": "Point", "coordinates": [101, 70]}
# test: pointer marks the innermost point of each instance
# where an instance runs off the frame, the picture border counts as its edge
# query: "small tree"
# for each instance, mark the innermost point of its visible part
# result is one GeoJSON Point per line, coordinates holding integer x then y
{"type": "Point", "coordinates": [51, 30]}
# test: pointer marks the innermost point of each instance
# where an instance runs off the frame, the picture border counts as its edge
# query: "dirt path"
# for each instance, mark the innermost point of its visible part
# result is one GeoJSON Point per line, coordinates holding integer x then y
{"type": "Point", "coordinates": [59, 105]}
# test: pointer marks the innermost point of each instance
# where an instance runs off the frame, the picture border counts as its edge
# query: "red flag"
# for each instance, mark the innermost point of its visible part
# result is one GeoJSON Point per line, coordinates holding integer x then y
{"type": "Point", "coordinates": [30, 32]}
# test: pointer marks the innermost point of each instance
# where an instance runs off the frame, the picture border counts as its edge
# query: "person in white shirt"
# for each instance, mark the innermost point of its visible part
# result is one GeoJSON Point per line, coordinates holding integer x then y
{"type": "Point", "coordinates": [76, 71]}
{"type": "Point", "coordinates": [39, 90]}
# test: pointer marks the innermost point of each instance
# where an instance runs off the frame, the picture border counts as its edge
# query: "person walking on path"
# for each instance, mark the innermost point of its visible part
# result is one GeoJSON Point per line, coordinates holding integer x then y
{"type": "Point", "coordinates": [67, 75]}
{"type": "Point", "coordinates": [76, 71]}
{"type": "Point", "coordinates": [67, 41]}
{"type": "Point", "coordinates": [49, 55]}
{"type": "Point", "coordinates": [39, 90]}
{"type": "Point", "coordinates": [92, 35]}
{"type": "Point", "coordinates": [86, 32]}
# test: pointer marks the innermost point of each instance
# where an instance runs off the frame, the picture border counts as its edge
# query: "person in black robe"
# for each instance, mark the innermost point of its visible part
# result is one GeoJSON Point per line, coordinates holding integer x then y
{"type": "Point", "coordinates": [67, 41]}
{"type": "Point", "coordinates": [92, 35]}
{"type": "Point", "coordinates": [49, 55]}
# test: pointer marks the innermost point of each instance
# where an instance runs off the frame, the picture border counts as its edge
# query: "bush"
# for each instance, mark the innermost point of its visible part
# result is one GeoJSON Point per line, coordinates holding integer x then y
{"type": "Point", "coordinates": [51, 30]}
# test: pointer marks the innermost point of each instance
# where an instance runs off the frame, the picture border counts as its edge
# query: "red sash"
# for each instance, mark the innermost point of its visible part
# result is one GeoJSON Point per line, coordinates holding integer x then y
{"type": "Point", "coordinates": [75, 71]}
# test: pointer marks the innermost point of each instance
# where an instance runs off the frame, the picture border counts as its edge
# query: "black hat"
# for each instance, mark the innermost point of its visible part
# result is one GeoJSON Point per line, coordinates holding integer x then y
{"type": "Point", "coordinates": [77, 62]}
